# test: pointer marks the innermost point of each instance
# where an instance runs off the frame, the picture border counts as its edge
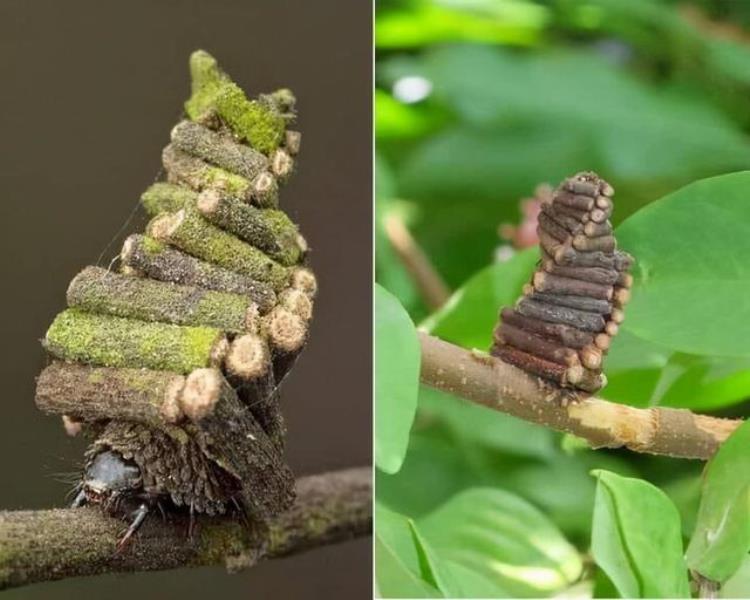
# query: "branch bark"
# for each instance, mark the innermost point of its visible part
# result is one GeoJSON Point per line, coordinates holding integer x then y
{"type": "Point", "coordinates": [48, 545]}
{"type": "Point", "coordinates": [480, 378]}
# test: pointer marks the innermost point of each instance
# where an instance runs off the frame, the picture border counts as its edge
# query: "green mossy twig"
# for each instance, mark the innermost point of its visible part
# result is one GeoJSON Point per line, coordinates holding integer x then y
{"type": "Point", "coordinates": [218, 149]}
{"type": "Point", "coordinates": [189, 231]}
{"type": "Point", "coordinates": [117, 342]}
{"type": "Point", "coordinates": [97, 290]}
{"type": "Point", "coordinates": [164, 263]}
{"type": "Point", "coordinates": [215, 95]}
{"type": "Point", "coordinates": [164, 197]}
{"type": "Point", "coordinates": [187, 170]}
{"type": "Point", "coordinates": [267, 229]}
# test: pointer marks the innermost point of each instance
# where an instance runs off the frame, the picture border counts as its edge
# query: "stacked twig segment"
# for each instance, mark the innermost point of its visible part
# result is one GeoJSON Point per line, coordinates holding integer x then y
{"type": "Point", "coordinates": [562, 326]}
{"type": "Point", "coordinates": [178, 357]}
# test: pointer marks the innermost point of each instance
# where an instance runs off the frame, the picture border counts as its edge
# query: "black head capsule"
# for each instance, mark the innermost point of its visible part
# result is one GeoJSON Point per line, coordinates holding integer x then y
{"type": "Point", "coordinates": [114, 483]}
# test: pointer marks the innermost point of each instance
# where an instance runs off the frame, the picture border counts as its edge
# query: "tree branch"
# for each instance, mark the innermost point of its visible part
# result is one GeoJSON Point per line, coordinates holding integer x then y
{"type": "Point", "coordinates": [431, 286]}
{"type": "Point", "coordinates": [485, 380]}
{"type": "Point", "coordinates": [55, 544]}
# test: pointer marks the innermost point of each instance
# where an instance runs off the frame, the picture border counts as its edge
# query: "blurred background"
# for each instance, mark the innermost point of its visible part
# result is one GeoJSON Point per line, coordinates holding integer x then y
{"type": "Point", "coordinates": [478, 102]}
{"type": "Point", "coordinates": [90, 93]}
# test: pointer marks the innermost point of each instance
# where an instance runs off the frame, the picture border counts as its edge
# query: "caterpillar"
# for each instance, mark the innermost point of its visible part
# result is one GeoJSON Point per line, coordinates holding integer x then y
{"type": "Point", "coordinates": [562, 326]}
{"type": "Point", "coordinates": [173, 362]}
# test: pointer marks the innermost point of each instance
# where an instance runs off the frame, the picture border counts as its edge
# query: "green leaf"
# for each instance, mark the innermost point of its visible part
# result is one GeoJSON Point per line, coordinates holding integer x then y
{"type": "Point", "coordinates": [738, 586]}
{"type": "Point", "coordinates": [642, 373]}
{"type": "Point", "coordinates": [721, 539]}
{"type": "Point", "coordinates": [394, 580]}
{"type": "Point", "coordinates": [693, 268]}
{"type": "Point", "coordinates": [432, 472]}
{"type": "Point", "coordinates": [503, 539]}
{"type": "Point", "coordinates": [636, 538]}
{"type": "Point", "coordinates": [485, 426]}
{"type": "Point", "coordinates": [421, 23]}
{"type": "Point", "coordinates": [453, 578]}
{"type": "Point", "coordinates": [397, 357]}
{"type": "Point", "coordinates": [400, 567]}
{"type": "Point", "coordinates": [637, 131]}
{"type": "Point", "coordinates": [469, 317]}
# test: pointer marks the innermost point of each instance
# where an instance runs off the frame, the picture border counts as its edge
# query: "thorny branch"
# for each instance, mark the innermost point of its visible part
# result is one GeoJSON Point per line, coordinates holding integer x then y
{"type": "Point", "coordinates": [488, 381]}
{"type": "Point", "coordinates": [47, 545]}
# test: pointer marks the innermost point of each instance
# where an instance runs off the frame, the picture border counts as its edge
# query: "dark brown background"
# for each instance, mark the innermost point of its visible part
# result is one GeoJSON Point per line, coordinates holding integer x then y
{"type": "Point", "coordinates": [88, 93]}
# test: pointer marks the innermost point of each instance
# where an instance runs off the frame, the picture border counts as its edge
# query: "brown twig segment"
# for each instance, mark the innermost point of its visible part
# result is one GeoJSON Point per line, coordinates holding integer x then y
{"type": "Point", "coordinates": [196, 174]}
{"type": "Point", "coordinates": [90, 394]}
{"type": "Point", "coordinates": [484, 380]}
{"type": "Point", "coordinates": [189, 231]}
{"type": "Point", "coordinates": [266, 229]}
{"type": "Point", "coordinates": [219, 150]}
{"type": "Point", "coordinates": [431, 286]}
{"type": "Point", "coordinates": [100, 291]}
{"type": "Point", "coordinates": [581, 284]}
{"type": "Point", "coordinates": [49, 545]}
{"type": "Point", "coordinates": [158, 261]}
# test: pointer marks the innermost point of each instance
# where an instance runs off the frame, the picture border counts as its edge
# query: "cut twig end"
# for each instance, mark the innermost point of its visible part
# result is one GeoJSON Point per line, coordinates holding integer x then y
{"type": "Point", "coordinates": [201, 392]}
{"type": "Point", "coordinates": [304, 280]}
{"type": "Point", "coordinates": [248, 357]}
{"type": "Point", "coordinates": [286, 331]}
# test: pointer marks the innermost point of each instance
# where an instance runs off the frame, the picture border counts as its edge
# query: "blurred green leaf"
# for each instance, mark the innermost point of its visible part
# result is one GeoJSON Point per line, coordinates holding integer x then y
{"type": "Point", "coordinates": [504, 539]}
{"type": "Point", "coordinates": [432, 472]}
{"type": "Point", "coordinates": [693, 267]}
{"type": "Point", "coordinates": [389, 272]}
{"type": "Point", "coordinates": [643, 373]}
{"type": "Point", "coordinates": [721, 539]}
{"type": "Point", "coordinates": [454, 579]}
{"type": "Point", "coordinates": [393, 119]}
{"type": "Point", "coordinates": [486, 426]}
{"type": "Point", "coordinates": [685, 492]}
{"type": "Point", "coordinates": [398, 569]}
{"type": "Point", "coordinates": [636, 538]}
{"type": "Point", "coordinates": [738, 586]}
{"type": "Point", "coordinates": [491, 21]}
{"type": "Point", "coordinates": [639, 130]}
{"type": "Point", "coordinates": [467, 181]}
{"type": "Point", "coordinates": [394, 579]}
{"type": "Point", "coordinates": [397, 357]}
{"type": "Point", "coordinates": [469, 317]}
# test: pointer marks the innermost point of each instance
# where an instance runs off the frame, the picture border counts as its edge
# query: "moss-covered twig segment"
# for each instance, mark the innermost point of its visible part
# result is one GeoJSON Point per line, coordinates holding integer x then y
{"type": "Point", "coordinates": [215, 95]}
{"type": "Point", "coordinates": [166, 197]}
{"type": "Point", "coordinates": [159, 261]}
{"type": "Point", "coordinates": [266, 229]}
{"type": "Point", "coordinates": [218, 149]}
{"type": "Point", "coordinates": [88, 393]}
{"type": "Point", "coordinates": [189, 231]}
{"type": "Point", "coordinates": [117, 342]}
{"type": "Point", "coordinates": [187, 170]}
{"type": "Point", "coordinates": [100, 291]}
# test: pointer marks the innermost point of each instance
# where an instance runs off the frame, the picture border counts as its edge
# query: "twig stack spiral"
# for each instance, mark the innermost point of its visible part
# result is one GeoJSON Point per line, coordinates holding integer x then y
{"type": "Point", "coordinates": [175, 360]}
{"type": "Point", "coordinates": [562, 326]}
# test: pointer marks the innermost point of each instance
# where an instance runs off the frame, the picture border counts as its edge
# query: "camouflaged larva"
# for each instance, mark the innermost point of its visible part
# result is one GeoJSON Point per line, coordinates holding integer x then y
{"type": "Point", "coordinates": [562, 326]}
{"type": "Point", "coordinates": [172, 464]}
{"type": "Point", "coordinates": [175, 360]}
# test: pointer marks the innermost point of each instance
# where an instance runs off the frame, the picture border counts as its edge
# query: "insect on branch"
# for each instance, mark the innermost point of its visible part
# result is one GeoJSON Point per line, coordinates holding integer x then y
{"type": "Point", "coordinates": [48, 545]}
